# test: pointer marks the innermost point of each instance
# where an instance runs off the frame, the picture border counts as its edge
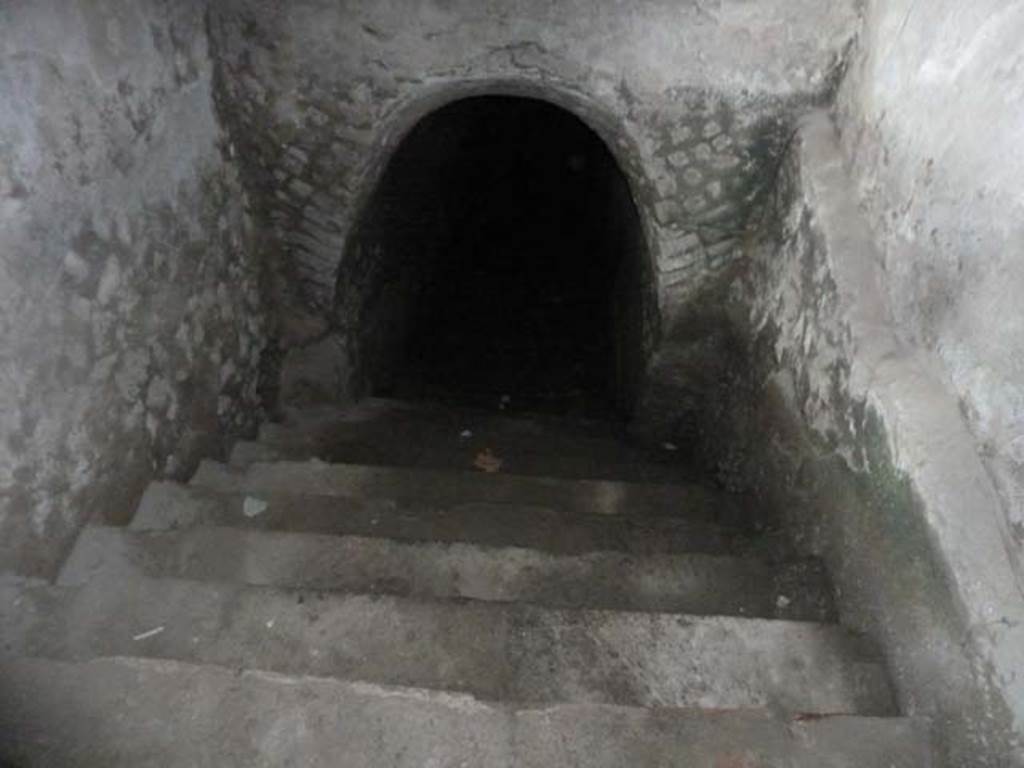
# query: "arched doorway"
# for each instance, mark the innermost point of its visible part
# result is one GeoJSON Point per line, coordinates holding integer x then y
{"type": "Point", "coordinates": [499, 261]}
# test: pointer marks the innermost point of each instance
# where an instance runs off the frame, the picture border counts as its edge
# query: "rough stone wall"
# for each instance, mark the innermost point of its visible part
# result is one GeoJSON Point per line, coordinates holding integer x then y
{"type": "Point", "coordinates": [932, 116]}
{"type": "Point", "coordinates": [696, 100]}
{"type": "Point", "coordinates": [129, 304]}
{"type": "Point", "coordinates": [854, 436]}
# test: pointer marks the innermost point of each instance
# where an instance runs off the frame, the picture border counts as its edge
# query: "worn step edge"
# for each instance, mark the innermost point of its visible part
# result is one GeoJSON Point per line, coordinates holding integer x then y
{"type": "Point", "coordinates": [127, 712]}
{"type": "Point", "coordinates": [370, 409]}
{"type": "Point", "coordinates": [498, 651]}
{"type": "Point", "coordinates": [585, 496]}
{"type": "Point", "coordinates": [246, 452]}
{"type": "Point", "coordinates": [694, 584]}
{"type": "Point", "coordinates": [173, 506]}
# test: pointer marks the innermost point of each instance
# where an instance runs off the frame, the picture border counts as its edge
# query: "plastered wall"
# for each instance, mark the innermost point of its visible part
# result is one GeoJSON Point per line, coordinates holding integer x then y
{"type": "Point", "coordinates": [931, 117]}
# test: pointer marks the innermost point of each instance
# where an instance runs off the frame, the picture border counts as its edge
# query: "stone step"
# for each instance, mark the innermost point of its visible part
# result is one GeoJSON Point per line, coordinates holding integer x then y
{"type": "Point", "coordinates": [459, 458]}
{"type": "Point", "coordinates": [447, 488]}
{"type": "Point", "coordinates": [385, 410]}
{"type": "Point", "coordinates": [129, 712]}
{"type": "Point", "coordinates": [695, 584]}
{"type": "Point", "coordinates": [496, 651]}
{"type": "Point", "coordinates": [389, 432]}
{"type": "Point", "coordinates": [170, 505]}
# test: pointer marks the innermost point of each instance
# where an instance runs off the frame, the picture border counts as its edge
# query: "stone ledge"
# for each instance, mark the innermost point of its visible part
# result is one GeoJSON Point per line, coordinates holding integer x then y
{"type": "Point", "coordinates": [852, 381]}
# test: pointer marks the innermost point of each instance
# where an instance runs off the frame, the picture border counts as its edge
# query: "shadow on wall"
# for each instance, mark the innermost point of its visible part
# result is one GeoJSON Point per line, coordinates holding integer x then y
{"type": "Point", "coordinates": [499, 261]}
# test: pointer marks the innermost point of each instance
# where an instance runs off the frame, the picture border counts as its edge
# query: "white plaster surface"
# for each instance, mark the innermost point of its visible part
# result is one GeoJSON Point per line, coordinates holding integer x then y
{"type": "Point", "coordinates": [932, 116]}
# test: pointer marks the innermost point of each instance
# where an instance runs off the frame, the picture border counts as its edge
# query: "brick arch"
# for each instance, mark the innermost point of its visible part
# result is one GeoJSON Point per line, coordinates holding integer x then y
{"type": "Point", "coordinates": [367, 259]}
{"type": "Point", "coordinates": [610, 126]}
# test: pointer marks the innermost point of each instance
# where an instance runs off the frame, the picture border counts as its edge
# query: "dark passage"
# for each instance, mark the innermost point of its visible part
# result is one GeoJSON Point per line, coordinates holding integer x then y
{"type": "Point", "coordinates": [516, 250]}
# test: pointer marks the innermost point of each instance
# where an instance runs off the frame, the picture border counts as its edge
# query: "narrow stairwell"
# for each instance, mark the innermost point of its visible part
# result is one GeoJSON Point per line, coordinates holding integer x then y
{"type": "Point", "coordinates": [411, 585]}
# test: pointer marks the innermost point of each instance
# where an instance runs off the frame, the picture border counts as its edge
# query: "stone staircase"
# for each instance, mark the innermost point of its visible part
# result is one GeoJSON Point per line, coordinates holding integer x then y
{"type": "Point", "coordinates": [352, 590]}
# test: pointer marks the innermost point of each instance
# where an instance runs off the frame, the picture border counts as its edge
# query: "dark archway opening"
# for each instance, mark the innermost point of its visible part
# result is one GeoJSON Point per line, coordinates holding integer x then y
{"type": "Point", "coordinates": [501, 262]}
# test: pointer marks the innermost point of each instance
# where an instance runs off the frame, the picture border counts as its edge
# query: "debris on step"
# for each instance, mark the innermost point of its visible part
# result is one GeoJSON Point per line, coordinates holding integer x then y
{"type": "Point", "coordinates": [253, 507]}
{"type": "Point", "coordinates": [486, 461]}
{"type": "Point", "coordinates": [146, 635]}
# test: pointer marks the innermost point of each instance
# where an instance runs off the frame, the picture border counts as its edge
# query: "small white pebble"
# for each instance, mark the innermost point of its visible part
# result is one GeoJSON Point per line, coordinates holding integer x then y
{"type": "Point", "coordinates": [253, 507]}
{"type": "Point", "coordinates": [783, 601]}
{"type": "Point", "coordinates": [465, 434]}
{"type": "Point", "coordinates": [670, 446]}
{"type": "Point", "coordinates": [270, 624]}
